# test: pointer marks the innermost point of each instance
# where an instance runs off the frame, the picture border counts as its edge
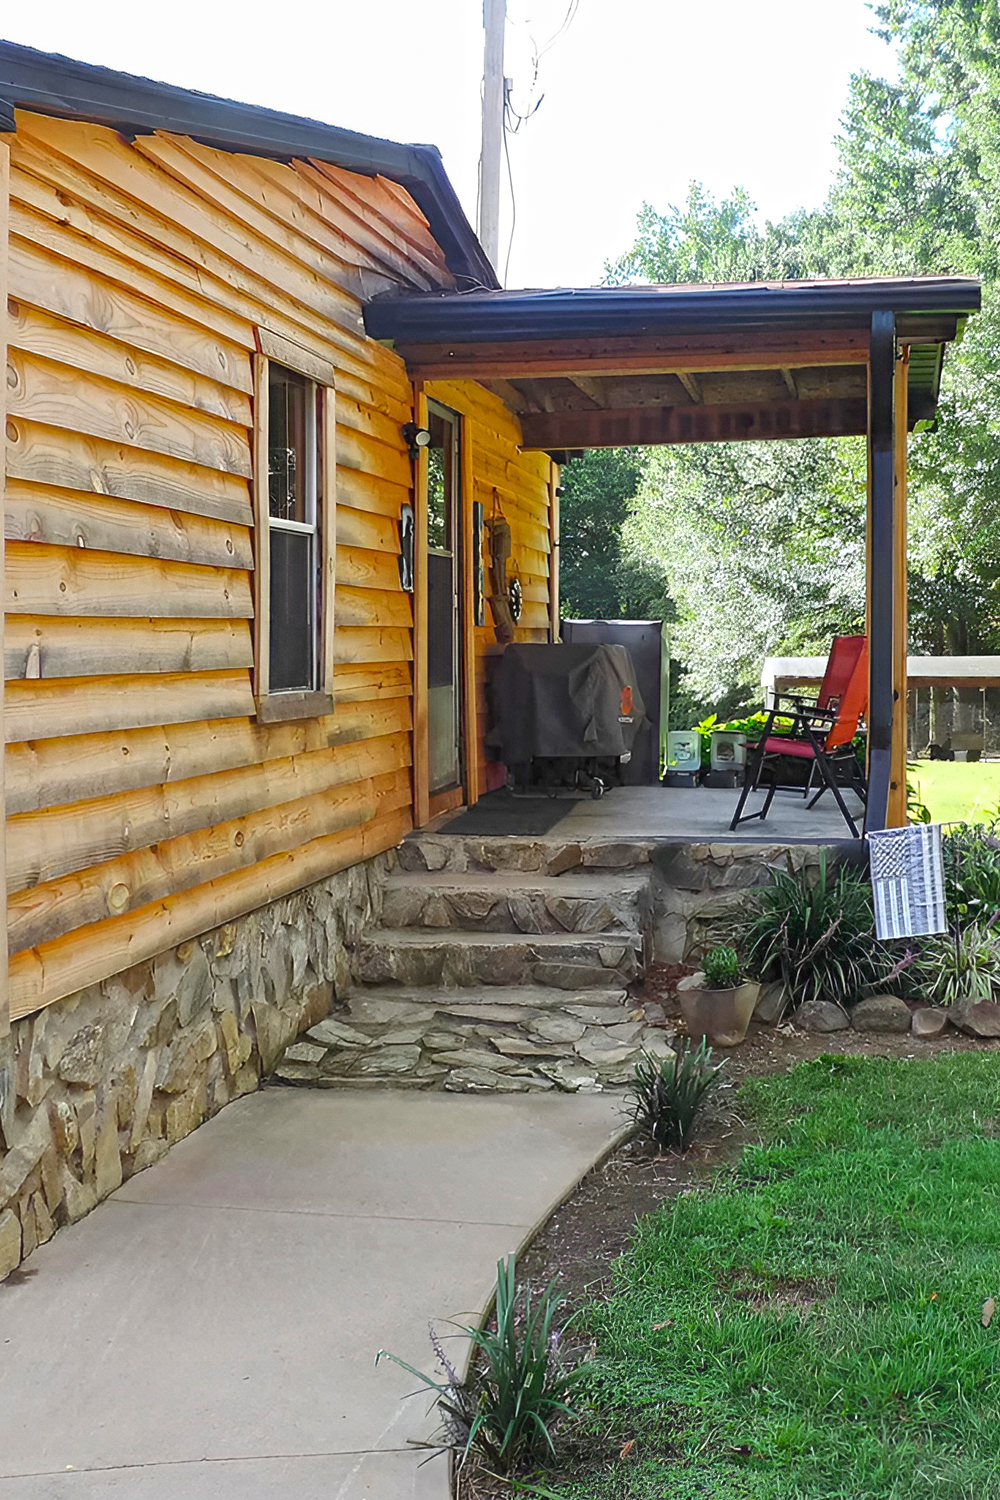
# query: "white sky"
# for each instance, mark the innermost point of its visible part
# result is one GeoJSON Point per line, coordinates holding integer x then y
{"type": "Point", "coordinates": [641, 96]}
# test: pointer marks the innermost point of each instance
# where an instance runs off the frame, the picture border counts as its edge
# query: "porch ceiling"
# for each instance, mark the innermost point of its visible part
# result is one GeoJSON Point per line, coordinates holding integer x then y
{"type": "Point", "coordinates": [610, 366]}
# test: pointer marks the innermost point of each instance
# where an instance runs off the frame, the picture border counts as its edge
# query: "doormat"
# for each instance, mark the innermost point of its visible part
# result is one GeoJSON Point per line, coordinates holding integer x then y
{"type": "Point", "coordinates": [498, 814]}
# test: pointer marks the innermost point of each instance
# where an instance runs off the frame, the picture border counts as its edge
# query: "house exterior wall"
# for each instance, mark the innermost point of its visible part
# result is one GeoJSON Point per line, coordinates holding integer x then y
{"type": "Point", "coordinates": [145, 803]}
{"type": "Point", "coordinates": [155, 826]}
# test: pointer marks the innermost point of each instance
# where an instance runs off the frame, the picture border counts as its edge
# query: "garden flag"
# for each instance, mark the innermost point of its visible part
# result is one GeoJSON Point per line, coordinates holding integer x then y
{"type": "Point", "coordinates": [908, 880]}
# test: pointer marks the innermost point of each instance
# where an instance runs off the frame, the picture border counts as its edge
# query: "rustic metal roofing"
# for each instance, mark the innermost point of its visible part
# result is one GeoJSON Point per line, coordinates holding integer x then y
{"type": "Point", "coordinates": [49, 84]}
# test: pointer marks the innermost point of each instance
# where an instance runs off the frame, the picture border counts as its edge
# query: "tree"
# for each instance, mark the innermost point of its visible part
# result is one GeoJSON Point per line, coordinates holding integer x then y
{"type": "Point", "coordinates": [596, 580]}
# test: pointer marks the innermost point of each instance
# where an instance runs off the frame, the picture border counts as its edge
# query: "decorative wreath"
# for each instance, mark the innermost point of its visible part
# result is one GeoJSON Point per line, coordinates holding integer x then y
{"type": "Point", "coordinates": [515, 597]}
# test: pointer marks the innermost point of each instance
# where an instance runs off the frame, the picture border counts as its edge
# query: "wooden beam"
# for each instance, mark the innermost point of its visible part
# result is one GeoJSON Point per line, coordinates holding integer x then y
{"type": "Point", "coordinates": [638, 356]}
{"type": "Point", "coordinates": [4, 212]}
{"type": "Point", "coordinates": [554, 553]}
{"type": "Point", "coordinates": [421, 749]}
{"type": "Point", "coordinates": [552, 431]}
{"type": "Point", "coordinates": [467, 610]}
{"type": "Point", "coordinates": [590, 388]}
{"type": "Point", "coordinates": [514, 398]}
{"type": "Point", "coordinates": [690, 385]}
{"type": "Point", "coordinates": [881, 566]}
{"type": "Point", "coordinates": [896, 812]}
{"type": "Point", "coordinates": [789, 380]}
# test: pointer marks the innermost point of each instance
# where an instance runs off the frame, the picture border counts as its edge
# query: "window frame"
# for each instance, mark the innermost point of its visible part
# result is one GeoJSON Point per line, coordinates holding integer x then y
{"type": "Point", "coordinates": [291, 703]}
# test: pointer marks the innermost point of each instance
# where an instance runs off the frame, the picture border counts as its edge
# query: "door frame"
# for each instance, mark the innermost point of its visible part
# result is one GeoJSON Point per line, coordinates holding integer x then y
{"type": "Point", "coordinates": [425, 804]}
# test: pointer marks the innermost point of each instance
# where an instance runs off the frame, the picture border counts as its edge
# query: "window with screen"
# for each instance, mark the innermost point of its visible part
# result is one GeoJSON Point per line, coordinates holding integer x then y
{"type": "Point", "coordinates": [295, 541]}
{"type": "Point", "coordinates": [293, 468]}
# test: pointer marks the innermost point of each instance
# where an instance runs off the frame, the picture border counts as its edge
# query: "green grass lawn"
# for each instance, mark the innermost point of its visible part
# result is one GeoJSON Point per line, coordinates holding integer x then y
{"type": "Point", "coordinates": [955, 791]}
{"type": "Point", "coordinates": [810, 1328]}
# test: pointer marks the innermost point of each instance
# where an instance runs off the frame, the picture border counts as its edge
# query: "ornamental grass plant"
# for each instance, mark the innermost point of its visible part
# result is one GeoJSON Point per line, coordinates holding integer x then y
{"type": "Point", "coordinates": [520, 1381]}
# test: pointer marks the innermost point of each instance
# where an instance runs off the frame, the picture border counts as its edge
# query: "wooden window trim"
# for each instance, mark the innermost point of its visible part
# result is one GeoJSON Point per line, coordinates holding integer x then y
{"type": "Point", "coordinates": [274, 706]}
{"type": "Point", "coordinates": [4, 219]}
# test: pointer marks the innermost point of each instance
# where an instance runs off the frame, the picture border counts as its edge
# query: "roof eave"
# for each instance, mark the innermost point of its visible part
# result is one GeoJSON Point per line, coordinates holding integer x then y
{"type": "Point", "coordinates": [46, 83]}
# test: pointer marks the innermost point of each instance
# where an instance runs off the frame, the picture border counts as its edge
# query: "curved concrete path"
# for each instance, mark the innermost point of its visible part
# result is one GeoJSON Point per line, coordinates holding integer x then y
{"type": "Point", "coordinates": [209, 1332]}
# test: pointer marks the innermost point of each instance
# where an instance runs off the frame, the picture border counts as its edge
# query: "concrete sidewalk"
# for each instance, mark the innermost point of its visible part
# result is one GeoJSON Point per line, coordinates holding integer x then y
{"type": "Point", "coordinates": [210, 1331]}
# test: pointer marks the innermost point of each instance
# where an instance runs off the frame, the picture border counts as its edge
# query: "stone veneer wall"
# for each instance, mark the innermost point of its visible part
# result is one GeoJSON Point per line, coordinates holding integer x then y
{"type": "Point", "coordinates": [699, 885]}
{"type": "Point", "coordinates": [102, 1084]}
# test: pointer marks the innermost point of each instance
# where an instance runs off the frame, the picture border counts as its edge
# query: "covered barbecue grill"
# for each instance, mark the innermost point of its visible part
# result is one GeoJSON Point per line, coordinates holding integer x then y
{"type": "Point", "coordinates": [565, 715]}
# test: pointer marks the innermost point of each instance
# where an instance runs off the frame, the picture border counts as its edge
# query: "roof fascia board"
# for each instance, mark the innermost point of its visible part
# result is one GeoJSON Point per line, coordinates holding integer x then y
{"type": "Point", "coordinates": [513, 316]}
{"type": "Point", "coordinates": [45, 83]}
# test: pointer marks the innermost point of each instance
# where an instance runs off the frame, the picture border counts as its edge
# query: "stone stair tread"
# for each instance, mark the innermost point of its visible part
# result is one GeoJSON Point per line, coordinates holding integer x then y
{"type": "Point", "coordinates": [457, 937]}
{"type": "Point", "coordinates": [574, 884]}
{"type": "Point", "coordinates": [535, 996]}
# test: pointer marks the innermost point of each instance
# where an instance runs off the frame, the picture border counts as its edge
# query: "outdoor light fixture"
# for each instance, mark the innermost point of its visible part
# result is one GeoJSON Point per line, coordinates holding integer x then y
{"type": "Point", "coordinates": [415, 438]}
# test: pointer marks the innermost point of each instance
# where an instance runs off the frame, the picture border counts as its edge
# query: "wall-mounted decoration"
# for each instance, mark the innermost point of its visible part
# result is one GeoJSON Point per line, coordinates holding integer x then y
{"type": "Point", "coordinates": [503, 620]}
{"type": "Point", "coordinates": [515, 597]}
{"type": "Point", "coordinates": [478, 572]}
{"type": "Point", "coordinates": [406, 548]}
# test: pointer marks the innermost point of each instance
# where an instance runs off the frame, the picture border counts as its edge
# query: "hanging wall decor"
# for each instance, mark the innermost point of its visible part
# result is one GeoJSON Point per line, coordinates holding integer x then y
{"type": "Point", "coordinates": [406, 548]}
{"type": "Point", "coordinates": [478, 572]}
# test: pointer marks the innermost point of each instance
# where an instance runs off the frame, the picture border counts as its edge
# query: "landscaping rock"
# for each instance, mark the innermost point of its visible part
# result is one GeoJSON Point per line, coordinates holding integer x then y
{"type": "Point", "coordinates": [821, 1015]}
{"type": "Point", "coordinates": [982, 1019]}
{"type": "Point", "coordinates": [929, 1021]}
{"type": "Point", "coordinates": [569, 1076]}
{"type": "Point", "coordinates": [603, 1051]}
{"type": "Point", "coordinates": [881, 1013]}
{"type": "Point", "coordinates": [10, 1242]}
{"type": "Point", "coordinates": [557, 1028]}
{"type": "Point", "coordinates": [483, 1081]}
{"type": "Point", "coordinates": [304, 1052]}
{"type": "Point", "coordinates": [772, 1004]}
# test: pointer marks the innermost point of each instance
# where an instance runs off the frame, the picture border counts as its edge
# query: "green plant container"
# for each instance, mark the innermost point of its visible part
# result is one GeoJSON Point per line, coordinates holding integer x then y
{"type": "Point", "coordinates": [720, 1016]}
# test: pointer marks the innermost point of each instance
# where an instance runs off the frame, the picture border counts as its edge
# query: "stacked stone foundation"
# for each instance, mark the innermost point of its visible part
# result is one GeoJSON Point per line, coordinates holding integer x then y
{"type": "Point", "coordinates": [101, 1084]}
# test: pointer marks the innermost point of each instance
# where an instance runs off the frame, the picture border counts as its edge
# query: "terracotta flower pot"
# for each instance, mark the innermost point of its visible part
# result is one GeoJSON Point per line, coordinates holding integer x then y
{"type": "Point", "coordinates": [720, 1016]}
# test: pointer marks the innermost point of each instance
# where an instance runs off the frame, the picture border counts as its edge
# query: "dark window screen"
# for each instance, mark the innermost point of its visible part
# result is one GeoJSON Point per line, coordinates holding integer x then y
{"type": "Point", "coordinates": [289, 461]}
{"type": "Point", "coordinates": [293, 630]}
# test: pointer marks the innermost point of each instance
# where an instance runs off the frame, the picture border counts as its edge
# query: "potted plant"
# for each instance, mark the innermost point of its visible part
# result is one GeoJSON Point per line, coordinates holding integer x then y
{"type": "Point", "coordinates": [717, 1002]}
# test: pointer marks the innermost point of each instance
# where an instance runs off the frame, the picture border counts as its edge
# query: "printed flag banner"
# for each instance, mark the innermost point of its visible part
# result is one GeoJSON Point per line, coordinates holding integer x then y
{"type": "Point", "coordinates": [907, 871]}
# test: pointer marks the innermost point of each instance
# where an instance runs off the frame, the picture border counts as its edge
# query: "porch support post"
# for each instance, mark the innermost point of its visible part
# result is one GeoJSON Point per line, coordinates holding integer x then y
{"type": "Point", "coordinates": [421, 770]}
{"type": "Point", "coordinates": [897, 779]}
{"type": "Point", "coordinates": [881, 565]}
{"type": "Point", "coordinates": [554, 552]}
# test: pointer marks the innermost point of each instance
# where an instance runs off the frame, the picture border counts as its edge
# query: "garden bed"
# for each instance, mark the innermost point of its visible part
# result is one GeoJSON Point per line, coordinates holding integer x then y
{"type": "Point", "coordinates": [826, 1339]}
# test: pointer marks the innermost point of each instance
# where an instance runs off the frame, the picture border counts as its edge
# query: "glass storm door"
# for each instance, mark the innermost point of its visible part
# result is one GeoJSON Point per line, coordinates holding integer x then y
{"type": "Point", "coordinates": [444, 745]}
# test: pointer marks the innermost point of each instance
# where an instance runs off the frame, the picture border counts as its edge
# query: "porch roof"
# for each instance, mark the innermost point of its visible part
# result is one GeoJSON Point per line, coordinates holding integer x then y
{"type": "Point", "coordinates": [609, 366]}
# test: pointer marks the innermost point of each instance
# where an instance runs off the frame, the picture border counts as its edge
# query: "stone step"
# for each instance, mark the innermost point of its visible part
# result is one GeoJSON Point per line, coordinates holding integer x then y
{"type": "Point", "coordinates": [499, 901]}
{"type": "Point", "coordinates": [412, 956]}
{"type": "Point", "coordinates": [476, 1040]}
{"type": "Point", "coordinates": [549, 856]}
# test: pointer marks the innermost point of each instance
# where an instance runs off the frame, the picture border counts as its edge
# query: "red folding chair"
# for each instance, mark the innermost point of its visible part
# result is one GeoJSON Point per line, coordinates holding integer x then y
{"type": "Point", "coordinates": [822, 733]}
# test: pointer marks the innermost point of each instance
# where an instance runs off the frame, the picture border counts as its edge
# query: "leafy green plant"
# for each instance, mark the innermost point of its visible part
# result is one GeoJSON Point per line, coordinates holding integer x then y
{"type": "Point", "coordinates": [816, 935]}
{"type": "Point", "coordinates": [972, 872]}
{"type": "Point", "coordinates": [668, 1092]}
{"type": "Point", "coordinates": [961, 966]}
{"type": "Point", "coordinates": [518, 1382]}
{"type": "Point", "coordinates": [721, 968]}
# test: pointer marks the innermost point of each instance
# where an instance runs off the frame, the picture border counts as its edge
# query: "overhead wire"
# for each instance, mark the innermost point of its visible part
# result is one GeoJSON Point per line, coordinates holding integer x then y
{"type": "Point", "coordinates": [514, 119]}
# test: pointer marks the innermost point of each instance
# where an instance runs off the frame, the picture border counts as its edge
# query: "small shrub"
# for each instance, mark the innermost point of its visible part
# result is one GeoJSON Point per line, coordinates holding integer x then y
{"type": "Point", "coordinates": [817, 936]}
{"type": "Point", "coordinates": [972, 872]}
{"type": "Point", "coordinates": [721, 968]}
{"type": "Point", "coordinates": [518, 1383]}
{"type": "Point", "coordinates": [667, 1093]}
{"type": "Point", "coordinates": [960, 966]}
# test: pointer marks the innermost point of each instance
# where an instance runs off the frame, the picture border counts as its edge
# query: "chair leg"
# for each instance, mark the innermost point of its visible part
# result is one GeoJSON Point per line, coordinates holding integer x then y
{"type": "Point", "coordinates": [750, 783]}
{"type": "Point", "coordinates": [826, 771]}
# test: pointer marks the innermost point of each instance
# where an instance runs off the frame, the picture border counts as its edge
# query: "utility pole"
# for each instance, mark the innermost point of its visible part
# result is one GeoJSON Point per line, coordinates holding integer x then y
{"type": "Point", "coordinates": [494, 19]}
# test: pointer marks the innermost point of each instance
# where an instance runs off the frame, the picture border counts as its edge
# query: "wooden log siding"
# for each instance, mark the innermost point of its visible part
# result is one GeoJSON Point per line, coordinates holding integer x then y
{"type": "Point", "coordinates": [147, 804]}
{"type": "Point", "coordinates": [519, 484]}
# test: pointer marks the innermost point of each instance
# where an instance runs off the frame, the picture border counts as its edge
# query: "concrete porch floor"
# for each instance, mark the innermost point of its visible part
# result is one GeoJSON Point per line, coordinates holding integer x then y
{"type": "Point", "coordinates": [699, 815]}
{"type": "Point", "coordinates": [210, 1331]}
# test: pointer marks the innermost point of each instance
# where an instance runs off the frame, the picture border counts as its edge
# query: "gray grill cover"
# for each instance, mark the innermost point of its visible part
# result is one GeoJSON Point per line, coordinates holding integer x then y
{"type": "Point", "coordinates": [577, 700]}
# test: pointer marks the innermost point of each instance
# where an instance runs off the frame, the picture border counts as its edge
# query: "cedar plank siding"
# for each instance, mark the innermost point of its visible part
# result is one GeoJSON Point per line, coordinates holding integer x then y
{"type": "Point", "coordinates": [145, 802]}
